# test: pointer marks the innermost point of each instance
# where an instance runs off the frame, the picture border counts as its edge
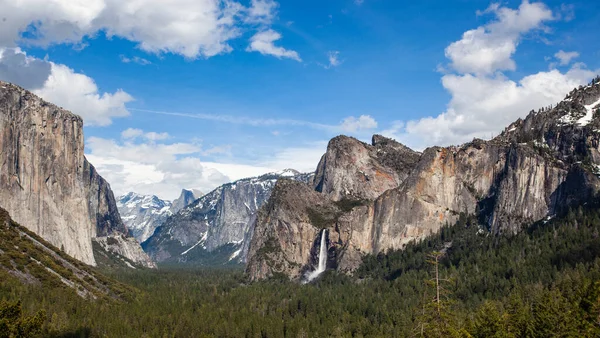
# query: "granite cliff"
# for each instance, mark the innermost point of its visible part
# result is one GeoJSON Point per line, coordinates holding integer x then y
{"type": "Point", "coordinates": [47, 184]}
{"type": "Point", "coordinates": [537, 168]}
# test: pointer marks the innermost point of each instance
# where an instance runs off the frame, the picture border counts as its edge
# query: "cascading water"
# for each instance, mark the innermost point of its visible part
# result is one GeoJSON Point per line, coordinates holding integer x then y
{"type": "Point", "coordinates": [322, 258]}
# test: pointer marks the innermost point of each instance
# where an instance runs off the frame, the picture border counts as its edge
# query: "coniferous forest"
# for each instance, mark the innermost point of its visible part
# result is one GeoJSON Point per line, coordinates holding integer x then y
{"type": "Point", "coordinates": [542, 282]}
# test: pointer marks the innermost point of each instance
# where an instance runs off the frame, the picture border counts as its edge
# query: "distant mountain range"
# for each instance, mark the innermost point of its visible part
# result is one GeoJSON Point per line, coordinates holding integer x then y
{"type": "Point", "coordinates": [216, 228]}
{"type": "Point", "coordinates": [142, 214]}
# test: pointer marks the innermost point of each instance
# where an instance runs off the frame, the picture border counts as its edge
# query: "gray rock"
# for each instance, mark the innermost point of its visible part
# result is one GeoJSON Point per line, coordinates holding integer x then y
{"type": "Point", "coordinates": [46, 183]}
{"type": "Point", "coordinates": [142, 214]}
{"type": "Point", "coordinates": [186, 198]}
{"type": "Point", "coordinates": [221, 218]}
{"type": "Point", "coordinates": [537, 168]}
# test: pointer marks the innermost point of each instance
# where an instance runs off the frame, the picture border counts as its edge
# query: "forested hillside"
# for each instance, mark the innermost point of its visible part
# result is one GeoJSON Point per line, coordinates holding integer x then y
{"type": "Point", "coordinates": [542, 282]}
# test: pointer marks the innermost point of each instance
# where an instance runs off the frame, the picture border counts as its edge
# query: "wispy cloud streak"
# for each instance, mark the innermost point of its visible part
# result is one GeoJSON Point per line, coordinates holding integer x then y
{"type": "Point", "coordinates": [256, 122]}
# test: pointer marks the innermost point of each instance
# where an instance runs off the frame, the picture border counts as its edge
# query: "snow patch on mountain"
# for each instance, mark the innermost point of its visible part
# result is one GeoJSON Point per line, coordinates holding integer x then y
{"type": "Point", "coordinates": [142, 214]}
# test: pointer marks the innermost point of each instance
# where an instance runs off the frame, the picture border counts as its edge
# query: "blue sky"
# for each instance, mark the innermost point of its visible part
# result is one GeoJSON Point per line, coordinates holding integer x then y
{"type": "Point", "coordinates": [191, 94]}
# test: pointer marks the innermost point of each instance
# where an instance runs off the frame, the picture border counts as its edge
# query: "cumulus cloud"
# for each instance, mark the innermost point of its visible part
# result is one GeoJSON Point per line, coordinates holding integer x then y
{"type": "Point", "coordinates": [303, 158]}
{"type": "Point", "coordinates": [151, 166]}
{"type": "Point", "coordinates": [264, 43]}
{"type": "Point", "coordinates": [135, 163]}
{"type": "Point", "coordinates": [62, 86]}
{"type": "Point", "coordinates": [262, 11]}
{"type": "Point", "coordinates": [154, 136]}
{"type": "Point", "coordinates": [565, 58]}
{"type": "Point", "coordinates": [489, 48]}
{"type": "Point", "coordinates": [131, 133]}
{"type": "Point", "coordinates": [191, 28]}
{"type": "Point", "coordinates": [484, 100]}
{"type": "Point", "coordinates": [79, 94]}
{"type": "Point", "coordinates": [18, 68]}
{"type": "Point", "coordinates": [352, 124]}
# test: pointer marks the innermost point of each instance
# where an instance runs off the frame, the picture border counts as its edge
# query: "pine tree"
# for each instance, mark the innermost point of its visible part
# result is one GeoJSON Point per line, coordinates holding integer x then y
{"type": "Point", "coordinates": [14, 324]}
{"type": "Point", "coordinates": [436, 318]}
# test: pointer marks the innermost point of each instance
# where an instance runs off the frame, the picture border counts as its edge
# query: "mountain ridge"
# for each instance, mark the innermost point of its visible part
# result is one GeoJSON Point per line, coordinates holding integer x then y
{"type": "Point", "coordinates": [535, 168]}
{"type": "Point", "coordinates": [217, 222]}
{"type": "Point", "coordinates": [142, 214]}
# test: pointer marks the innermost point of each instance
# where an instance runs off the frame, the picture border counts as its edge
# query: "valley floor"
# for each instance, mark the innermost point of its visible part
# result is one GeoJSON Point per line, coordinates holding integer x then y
{"type": "Point", "coordinates": [543, 282]}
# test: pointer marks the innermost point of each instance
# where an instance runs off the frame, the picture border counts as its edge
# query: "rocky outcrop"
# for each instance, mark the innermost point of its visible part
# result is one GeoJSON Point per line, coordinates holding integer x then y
{"type": "Point", "coordinates": [46, 183]}
{"type": "Point", "coordinates": [142, 214]}
{"type": "Point", "coordinates": [127, 250]}
{"type": "Point", "coordinates": [353, 169]}
{"type": "Point", "coordinates": [286, 230]}
{"type": "Point", "coordinates": [186, 198]}
{"type": "Point", "coordinates": [219, 222]}
{"type": "Point", "coordinates": [538, 167]}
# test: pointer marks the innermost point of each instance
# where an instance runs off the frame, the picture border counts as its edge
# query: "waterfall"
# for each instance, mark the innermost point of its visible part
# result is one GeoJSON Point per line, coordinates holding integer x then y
{"type": "Point", "coordinates": [322, 258]}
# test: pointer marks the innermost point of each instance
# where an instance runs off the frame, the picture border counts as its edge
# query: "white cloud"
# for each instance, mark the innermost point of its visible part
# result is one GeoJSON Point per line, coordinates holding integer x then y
{"type": "Point", "coordinates": [151, 167]}
{"type": "Point", "coordinates": [26, 71]}
{"type": "Point", "coordinates": [489, 48]}
{"type": "Point", "coordinates": [154, 167]}
{"type": "Point", "coordinates": [567, 12]}
{"type": "Point", "coordinates": [302, 158]}
{"type": "Point", "coordinates": [62, 86]}
{"type": "Point", "coordinates": [484, 100]}
{"type": "Point", "coordinates": [352, 124]}
{"type": "Point", "coordinates": [192, 28]}
{"type": "Point", "coordinates": [131, 133]}
{"type": "Point", "coordinates": [566, 57]}
{"type": "Point", "coordinates": [226, 149]}
{"type": "Point", "coordinates": [483, 106]}
{"type": "Point", "coordinates": [135, 59]}
{"type": "Point", "coordinates": [154, 136]}
{"type": "Point", "coordinates": [333, 59]}
{"type": "Point", "coordinates": [79, 94]}
{"type": "Point", "coordinates": [48, 21]}
{"type": "Point", "coordinates": [263, 42]}
{"type": "Point", "coordinates": [262, 11]}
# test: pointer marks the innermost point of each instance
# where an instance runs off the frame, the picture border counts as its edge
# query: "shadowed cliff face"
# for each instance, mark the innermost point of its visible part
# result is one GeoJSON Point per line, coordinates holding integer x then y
{"type": "Point", "coordinates": [46, 183]}
{"type": "Point", "coordinates": [536, 168]}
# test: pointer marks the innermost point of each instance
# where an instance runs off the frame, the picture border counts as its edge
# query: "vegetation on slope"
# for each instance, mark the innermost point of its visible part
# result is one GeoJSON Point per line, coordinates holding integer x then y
{"type": "Point", "coordinates": [542, 282]}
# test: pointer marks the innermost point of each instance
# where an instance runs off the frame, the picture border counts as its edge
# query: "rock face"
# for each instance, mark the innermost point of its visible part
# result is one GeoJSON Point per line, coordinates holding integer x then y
{"type": "Point", "coordinates": [126, 248]}
{"type": "Point", "coordinates": [46, 183]}
{"type": "Point", "coordinates": [219, 222]}
{"type": "Point", "coordinates": [353, 169]}
{"type": "Point", "coordinates": [287, 229]}
{"type": "Point", "coordinates": [142, 214]}
{"type": "Point", "coordinates": [536, 168]}
{"type": "Point", "coordinates": [186, 198]}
